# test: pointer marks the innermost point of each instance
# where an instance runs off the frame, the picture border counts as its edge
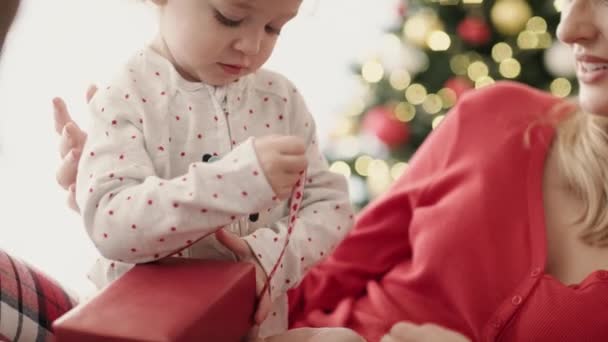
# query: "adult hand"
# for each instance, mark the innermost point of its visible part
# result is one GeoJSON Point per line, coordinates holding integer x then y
{"type": "Point", "coordinates": [241, 249]}
{"type": "Point", "coordinates": [283, 158]}
{"type": "Point", "coordinates": [71, 143]}
{"type": "Point", "coordinates": [410, 332]}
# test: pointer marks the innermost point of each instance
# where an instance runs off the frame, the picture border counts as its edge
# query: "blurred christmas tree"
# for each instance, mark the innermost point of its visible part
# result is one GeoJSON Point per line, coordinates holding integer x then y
{"type": "Point", "coordinates": [436, 51]}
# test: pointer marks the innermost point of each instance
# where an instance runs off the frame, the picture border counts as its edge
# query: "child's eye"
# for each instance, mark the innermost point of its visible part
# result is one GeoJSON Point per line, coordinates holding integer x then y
{"type": "Point", "coordinates": [226, 21]}
{"type": "Point", "coordinates": [272, 30]}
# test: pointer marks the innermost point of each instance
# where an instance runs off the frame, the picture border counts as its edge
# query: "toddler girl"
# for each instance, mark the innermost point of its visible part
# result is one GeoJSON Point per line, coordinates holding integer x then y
{"type": "Point", "coordinates": [192, 138]}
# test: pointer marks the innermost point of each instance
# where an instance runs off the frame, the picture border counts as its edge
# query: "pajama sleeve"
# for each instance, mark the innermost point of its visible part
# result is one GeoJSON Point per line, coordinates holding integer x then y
{"type": "Point", "coordinates": [324, 218]}
{"type": "Point", "coordinates": [130, 213]}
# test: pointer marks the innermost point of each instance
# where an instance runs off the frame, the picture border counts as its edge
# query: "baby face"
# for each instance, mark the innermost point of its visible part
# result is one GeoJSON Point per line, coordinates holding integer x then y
{"type": "Point", "coordinates": [219, 41]}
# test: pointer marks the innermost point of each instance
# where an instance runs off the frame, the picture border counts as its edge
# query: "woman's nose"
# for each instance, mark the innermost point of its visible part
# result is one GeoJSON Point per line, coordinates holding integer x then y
{"type": "Point", "coordinates": [577, 23]}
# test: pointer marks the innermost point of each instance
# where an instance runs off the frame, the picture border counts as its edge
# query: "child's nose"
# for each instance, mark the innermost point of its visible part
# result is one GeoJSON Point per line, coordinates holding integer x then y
{"type": "Point", "coordinates": [250, 43]}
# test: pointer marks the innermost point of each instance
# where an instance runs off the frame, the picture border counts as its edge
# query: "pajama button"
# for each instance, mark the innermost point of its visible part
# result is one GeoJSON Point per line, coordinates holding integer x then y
{"type": "Point", "coordinates": [497, 323]}
{"type": "Point", "coordinates": [208, 158]}
{"type": "Point", "coordinates": [535, 272]}
{"type": "Point", "coordinates": [516, 300]}
{"type": "Point", "coordinates": [603, 275]}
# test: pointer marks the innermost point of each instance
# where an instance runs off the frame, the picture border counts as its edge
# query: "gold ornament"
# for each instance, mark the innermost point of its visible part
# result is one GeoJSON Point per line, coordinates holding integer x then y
{"type": "Point", "coordinates": [484, 82]}
{"type": "Point", "coordinates": [372, 71]}
{"type": "Point", "coordinates": [398, 169]}
{"type": "Point", "coordinates": [346, 127]}
{"type": "Point", "coordinates": [501, 51]}
{"type": "Point", "coordinates": [439, 41]}
{"type": "Point", "coordinates": [510, 16]}
{"type": "Point", "coordinates": [432, 104]}
{"type": "Point", "coordinates": [400, 79]}
{"type": "Point", "coordinates": [420, 26]}
{"type": "Point", "coordinates": [437, 120]}
{"type": "Point", "coordinates": [379, 178]}
{"type": "Point", "coordinates": [341, 168]}
{"type": "Point", "coordinates": [477, 70]}
{"type": "Point", "coordinates": [561, 87]}
{"type": "Point", "coordinates": [405, 112]}
{"type": "Point", "coordinates": [362, 165]}
{"type": "Point", "coordinates": [448, 97]}
{"type": "Point", "coordinates": [459, 64]}
{"type": "Point", "coordinates": [415, 94]}
{"type": "Point", "coordinates": [510, 68]}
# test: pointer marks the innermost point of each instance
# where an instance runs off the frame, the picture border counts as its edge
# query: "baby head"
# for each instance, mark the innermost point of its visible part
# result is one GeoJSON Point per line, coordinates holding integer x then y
{"type": "Point", "coordinates": [219, 41]}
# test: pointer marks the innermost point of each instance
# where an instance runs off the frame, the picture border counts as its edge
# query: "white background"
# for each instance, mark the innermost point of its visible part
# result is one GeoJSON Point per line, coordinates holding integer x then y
{"type": "Point", "coordinates": [58, 47]}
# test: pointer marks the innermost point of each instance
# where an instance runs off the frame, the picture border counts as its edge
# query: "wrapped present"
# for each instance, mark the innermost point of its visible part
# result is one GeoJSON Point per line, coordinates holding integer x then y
{"type": "Point", "coordinates": [178, 300]}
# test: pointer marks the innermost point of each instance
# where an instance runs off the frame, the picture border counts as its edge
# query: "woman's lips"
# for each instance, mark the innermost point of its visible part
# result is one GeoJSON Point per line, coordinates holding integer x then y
{"type": "Point", "coordinates": [591, 69]}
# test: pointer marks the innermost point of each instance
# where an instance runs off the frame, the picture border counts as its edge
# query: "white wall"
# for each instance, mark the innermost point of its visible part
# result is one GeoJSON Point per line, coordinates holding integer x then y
{"type": "Point", "coordinates": [58, 47]}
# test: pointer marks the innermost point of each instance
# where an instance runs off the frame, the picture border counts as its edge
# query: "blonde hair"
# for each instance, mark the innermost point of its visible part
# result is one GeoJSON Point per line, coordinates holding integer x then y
{"type": "Point", "coordinates": [582, 150]}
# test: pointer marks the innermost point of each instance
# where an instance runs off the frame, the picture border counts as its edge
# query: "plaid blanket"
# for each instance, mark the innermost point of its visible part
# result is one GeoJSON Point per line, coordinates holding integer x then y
{"type": "Point", "coordinates": [29, 301]}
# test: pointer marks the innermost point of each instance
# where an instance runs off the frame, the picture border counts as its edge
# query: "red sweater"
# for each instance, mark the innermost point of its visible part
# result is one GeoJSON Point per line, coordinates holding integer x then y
{"type": "Point", "coordinates": [459, 240]}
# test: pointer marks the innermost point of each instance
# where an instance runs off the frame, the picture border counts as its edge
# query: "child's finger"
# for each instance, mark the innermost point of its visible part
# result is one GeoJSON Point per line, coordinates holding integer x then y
{"type": "Point", "coordinates": [387, 338]}
{"type": "Point", "coordinates": [294, 164]}
{"type": "Point", "coordinates": [66, 142]}
{"type": "Point", "coordinates": [64, 123]}
{"type": "Point", "coordinates": [264, 306]}
{"type": "Point", "coordinates": [234, 243]}
{"type": "Point", "coordinates": [91, 92]}
{"type": "Point", "coordinates": [291, 145]}
{"type": "Point", "coordinates": [78, 136]}
{"type": "Point", "coordinates": [66, 174]}
{"type": "Point", "coordinates": [405, 330]}
{"type": "Point", "coordinates": [61, 114]}
{"type": "Point", "coordinates": [72, 138]}
{"type": "Point", "coordinates": [72, 198]}
{"type": "Point", "coordinates": [252, 336]}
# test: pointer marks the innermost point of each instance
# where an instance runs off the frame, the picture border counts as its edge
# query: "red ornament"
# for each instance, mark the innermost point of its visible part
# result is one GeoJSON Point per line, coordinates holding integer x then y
{"type": "Point", "coordinates": [381, 122]}
{"type": "Point", "coordinates": [474, 31]}
{"type": "Point", "coordinates": [402, 9]}
{"type": "Point", "coordinates": [459, 85]}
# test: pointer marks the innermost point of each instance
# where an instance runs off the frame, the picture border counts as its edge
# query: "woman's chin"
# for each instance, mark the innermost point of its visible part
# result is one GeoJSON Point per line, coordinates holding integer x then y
{"type": "Point", "coordinates": [594, 101]}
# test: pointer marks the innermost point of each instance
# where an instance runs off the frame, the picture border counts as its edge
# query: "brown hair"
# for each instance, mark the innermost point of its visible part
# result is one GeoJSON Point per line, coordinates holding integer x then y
{"type": "Point", "coordinates": [8, 10]}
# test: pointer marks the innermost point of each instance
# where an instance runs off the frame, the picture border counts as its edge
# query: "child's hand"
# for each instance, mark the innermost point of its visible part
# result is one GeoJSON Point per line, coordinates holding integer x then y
{"type": "Point", "coordinates": [283, 158]}
{"type": "Point", "coordinates": [239, 247]}
{"type": "Point", "coordinates": [410, 332]}
{"type": "Point", "coordinates": [71, 143]}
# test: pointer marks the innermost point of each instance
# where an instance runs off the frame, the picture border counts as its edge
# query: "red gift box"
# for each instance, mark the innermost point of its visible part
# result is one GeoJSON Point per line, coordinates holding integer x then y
{"type": "Point", "coordinates": [174, 300]}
